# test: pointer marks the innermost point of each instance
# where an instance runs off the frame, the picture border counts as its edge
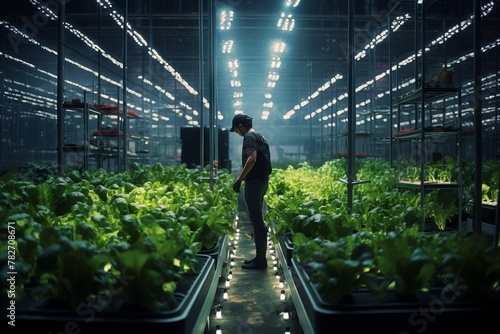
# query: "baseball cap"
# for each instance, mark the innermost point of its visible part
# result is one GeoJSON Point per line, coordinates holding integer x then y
{"type": "Point", "coordinates": [240, 118]}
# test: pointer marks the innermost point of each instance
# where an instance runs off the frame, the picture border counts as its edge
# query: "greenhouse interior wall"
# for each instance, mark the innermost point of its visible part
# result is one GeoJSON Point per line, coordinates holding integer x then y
{"type": "Point", "coordinates": [405, 82]}
{"type": "Point", "coordinates": [305, 120]}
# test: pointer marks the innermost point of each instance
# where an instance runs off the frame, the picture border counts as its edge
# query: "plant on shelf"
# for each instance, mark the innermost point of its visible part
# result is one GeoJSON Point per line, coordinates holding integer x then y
{"type": "Point", "coordinates": [410, 171]}
{"type": "Point", "coordinates": [491, 176]}
{"type": "Point", "coordinates": [441, 205]}
{"type": "Point", "coordinates": [490, 179]}
{"type": "Point", "coordinates": [441, 171]}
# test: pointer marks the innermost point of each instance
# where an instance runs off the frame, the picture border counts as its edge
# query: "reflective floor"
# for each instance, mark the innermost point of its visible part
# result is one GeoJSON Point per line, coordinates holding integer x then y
{"type": "Point", "coordinates": [253, 303]}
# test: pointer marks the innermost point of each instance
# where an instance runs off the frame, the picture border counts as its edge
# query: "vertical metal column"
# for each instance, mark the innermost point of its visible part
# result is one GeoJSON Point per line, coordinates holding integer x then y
{"type": "Point", "coordinates": [391, 109]}
{"type": "Point", "coordinates": [415, 36]}
{"type": "Point", "coordinates": [3, 120]}
{"type": "Point", "coordinates": [299, 124]}
{"type": "Point", "coordinates": [86, 116]}
{"type": "Point", "coordinates": [201, 66]}
{"type": "Point", "coordinates": [213, 89]}
{"type": "Point", "coordinates": [496, 241]}
{"type": "Point", "coordinates": [123, 162]}
{"type": "Point", "coordinates": [422, 149]}
{"type": "Point", "coordinates": [309, 93]}
{"type": "Point", "coordinates": [331, 127]}
{"type": "Point", "coordinates": [351, 106]}
{"type": "Point", "coordinates": [336, 132]}
{"type": "Point", "coordinates": [150, 103]}
{"type": "Point", "coordinates": [460, 159]}
{"type": "Point", "coordinates": [497, 217]}
{"type": "Point", "coordinates": [99, 78]}
{"type": "Point", "coordinates": [99, 58]}
{"type": "Point", "coordinates": [373, 94]}
{"type": "Point", "coordinates": [478, 131]}
{"type": "Point", "coordinates": [119, 126]}
{"type": "Point", "coordinates": [60, 88]}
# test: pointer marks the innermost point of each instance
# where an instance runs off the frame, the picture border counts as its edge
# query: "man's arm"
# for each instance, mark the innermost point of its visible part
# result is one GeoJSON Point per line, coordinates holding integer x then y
{"type": "Point", "coordinates": [251, 159]}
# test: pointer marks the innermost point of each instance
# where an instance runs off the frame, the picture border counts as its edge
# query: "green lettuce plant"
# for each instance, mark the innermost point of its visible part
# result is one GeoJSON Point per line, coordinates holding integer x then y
{"type": "Point", "coordinates": [335, 270]}
{"type": "Point", "coordinates": [474, 266]}
{"type": "Point", "coordinates": [441, 205]}
{"type": "Point", "coordinates": [78, 233]}
{"type": "Point", "coordinates": [402, 263]}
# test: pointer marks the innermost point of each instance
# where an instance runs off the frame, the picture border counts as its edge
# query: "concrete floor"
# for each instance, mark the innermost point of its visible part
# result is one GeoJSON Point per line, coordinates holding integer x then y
{"type": "Point", "coordinates": [253, 304]}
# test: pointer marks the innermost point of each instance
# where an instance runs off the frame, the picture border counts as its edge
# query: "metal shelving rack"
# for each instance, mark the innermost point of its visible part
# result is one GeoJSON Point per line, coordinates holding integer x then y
{"type": "Point", "coordinates": [422, 98]}
{"type": "Point", "coordinates": [99, 154]}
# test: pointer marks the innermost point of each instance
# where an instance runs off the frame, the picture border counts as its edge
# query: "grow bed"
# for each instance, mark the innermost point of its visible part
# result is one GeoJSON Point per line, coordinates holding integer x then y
{"type": "Point", "coordinates": [285, 248]}
{"type": "Point", "coordinates": [488, 211]}
{"type": "Point", "coordinates": [219, 253]}
{"type": "Point", "coordinates": [442, 311]}
{"type": "Point", "coordinates": [194, 293]}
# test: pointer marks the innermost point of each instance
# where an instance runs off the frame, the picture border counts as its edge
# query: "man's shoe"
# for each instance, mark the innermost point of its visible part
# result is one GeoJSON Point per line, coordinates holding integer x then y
{"type": "Point", "coordinates": [254, 265]}
{"type": "Point", "coordinates": [249, 261]}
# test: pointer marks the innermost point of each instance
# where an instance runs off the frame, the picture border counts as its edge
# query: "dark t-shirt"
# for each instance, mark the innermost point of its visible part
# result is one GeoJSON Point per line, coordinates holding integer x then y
{"type": "Point", "coordinates": [254, 141]}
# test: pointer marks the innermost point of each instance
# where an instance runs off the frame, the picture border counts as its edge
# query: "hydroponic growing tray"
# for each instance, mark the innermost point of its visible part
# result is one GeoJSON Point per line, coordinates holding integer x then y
{"type": "Point", "coordinates": [195, 295]}
{"type": "Point", "coordinates": [441, 312]}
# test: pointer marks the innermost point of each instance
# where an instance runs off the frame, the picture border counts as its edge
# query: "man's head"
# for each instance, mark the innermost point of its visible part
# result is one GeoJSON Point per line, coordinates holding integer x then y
{"type": "Point", "coordinates": [241, 120]}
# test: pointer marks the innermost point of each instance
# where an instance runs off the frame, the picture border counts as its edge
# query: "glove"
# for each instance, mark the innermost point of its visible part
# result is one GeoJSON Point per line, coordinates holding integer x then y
{"type": "Point", "coordinates": [237, 186]}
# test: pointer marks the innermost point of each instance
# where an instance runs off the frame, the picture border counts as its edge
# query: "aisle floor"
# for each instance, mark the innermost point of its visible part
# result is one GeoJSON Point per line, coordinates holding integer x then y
{"type": "Point", "coordinates": [253, 304]}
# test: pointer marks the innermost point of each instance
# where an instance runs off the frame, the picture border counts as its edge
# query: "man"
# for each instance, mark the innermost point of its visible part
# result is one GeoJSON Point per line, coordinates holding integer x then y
{"type": "Point", "coordinates": [256, 162]}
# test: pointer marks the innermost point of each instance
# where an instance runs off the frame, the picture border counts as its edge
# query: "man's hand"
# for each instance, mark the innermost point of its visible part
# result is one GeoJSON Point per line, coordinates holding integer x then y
{"type": "Point", "coordinates": [237, 186]}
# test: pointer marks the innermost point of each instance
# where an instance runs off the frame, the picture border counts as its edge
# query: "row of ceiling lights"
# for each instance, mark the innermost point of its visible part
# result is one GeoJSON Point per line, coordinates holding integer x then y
{"type": "Point", "coordinates": [107, 5]}
{"type": "Point", "coordinates": [330, 120]}
{"type": "Point", "coordinates": [289, 23]}
{"type": "Point", "coordinates": [44, 10]}
{"type": "Point", "coordinates": [285, 23]}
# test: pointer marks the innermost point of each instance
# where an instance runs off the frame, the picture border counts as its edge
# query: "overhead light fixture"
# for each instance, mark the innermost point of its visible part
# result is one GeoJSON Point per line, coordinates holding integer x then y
{"type": "Point", "coordinates": [226, 19]}
{"type": "Point", "coordinates": [293, 3]}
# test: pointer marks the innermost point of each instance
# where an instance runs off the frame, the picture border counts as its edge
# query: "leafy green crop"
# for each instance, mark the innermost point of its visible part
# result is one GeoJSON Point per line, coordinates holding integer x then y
{"type": "Point", "coordinates": [474, 266]}
{"type": "Point", "coordinates": [385, 218]}
{"type": "Point", "coordinates": [82, 234]}
{"type": "Point", "coordinates": [399, 260]}
{"type": "Point", "coordinates": [335, 271]}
